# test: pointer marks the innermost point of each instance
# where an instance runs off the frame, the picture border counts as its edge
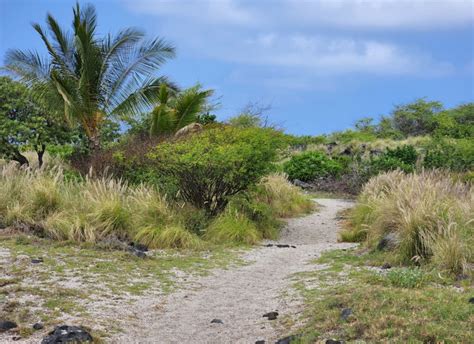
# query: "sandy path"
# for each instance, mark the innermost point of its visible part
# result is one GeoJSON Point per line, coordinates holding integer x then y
{"type": "Point", "coordinates": [238, 296]}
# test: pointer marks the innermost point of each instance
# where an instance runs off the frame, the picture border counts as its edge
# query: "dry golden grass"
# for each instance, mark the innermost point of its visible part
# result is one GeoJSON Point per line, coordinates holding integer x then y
{"type": "Point", "coordinates": [429, 212]}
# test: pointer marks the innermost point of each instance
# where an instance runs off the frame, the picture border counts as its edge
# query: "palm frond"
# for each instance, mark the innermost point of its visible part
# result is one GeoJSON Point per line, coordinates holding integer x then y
{"type": "Point", "coordinates": [189, 105]}
{"type": "Point", "coordinates": [27, 65]}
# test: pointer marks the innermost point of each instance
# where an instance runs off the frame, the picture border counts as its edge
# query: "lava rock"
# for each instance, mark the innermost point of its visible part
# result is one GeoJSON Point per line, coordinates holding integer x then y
{"type": "Point", "coordinates": [301, 184]}
{"type": "Point", "coordinates": [38, 326]}
{"type": "Point", "coordinates": [293, 246]}
{"type": "Point", "coordinates": [139, 247]}
{"type": "Point", "coordinates": [6, 325]}
{"type": "Point", "coordinates": [36, 260]}
{"type": "Point", "coordinates": [471, 300]}
{"type": "Point", "coordinates": [346, 313]}
{"type": "Point", "coordinates": [388, 242]}
{"type": "Point", "coordinates": [216, 321]}
{"type": "Point", "coordinates": [283, 245]}
{"type": "Point", "coordinates": [260, 342]}
{"type": "Point", "coordinates": [268, 245]}
{"type": "Point", "coordinates": [138, 253]}
{"type": "Point", "coordinates": [271, 315]}
{"type": "Point", "coordinates": [287, 340]}
{"type": "Point", "coordinates": [333, 341]}
{"type": "Point", "coordinates": [386, 266]}
{"type": "Point", "coordinates": [67, 334]}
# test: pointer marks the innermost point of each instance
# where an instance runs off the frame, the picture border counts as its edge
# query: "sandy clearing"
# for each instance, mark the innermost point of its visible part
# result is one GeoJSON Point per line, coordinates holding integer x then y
{"type": "Point", "coordinates": [238, 296]}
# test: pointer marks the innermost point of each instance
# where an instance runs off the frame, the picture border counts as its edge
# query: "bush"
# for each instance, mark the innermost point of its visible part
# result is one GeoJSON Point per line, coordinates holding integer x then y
{"type": "Point", "coordinates": [311, 165]}
{"type": "Point", "coordinates": [455, 155]}
{"type": "Point", "coordinates": [217, 163]}
{"type": "Point", "coordinates": [428, 212]}
{"type": "Point", "coordinates": [402, 158]}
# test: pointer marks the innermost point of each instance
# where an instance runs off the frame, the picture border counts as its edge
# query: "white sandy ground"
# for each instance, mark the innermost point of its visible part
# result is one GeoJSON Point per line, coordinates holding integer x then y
{"type": "Point", "coordinates": [239, 296]}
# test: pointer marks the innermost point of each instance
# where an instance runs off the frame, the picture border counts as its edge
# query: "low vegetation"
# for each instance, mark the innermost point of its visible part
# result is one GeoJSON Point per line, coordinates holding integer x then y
{"type": "Point", "coordinates": [422, 217]}
{"type": "Point", "coordinates": [92, 210]}
{"type": "Point", "coordinates": [351, 298]}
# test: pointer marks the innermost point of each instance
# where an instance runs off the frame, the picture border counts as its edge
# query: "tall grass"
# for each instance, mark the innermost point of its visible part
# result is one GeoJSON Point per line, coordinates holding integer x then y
{"type": "Point", "coordinates": [283, 197]}
{"type": "Point", "coordinates": [429, 213]}
{"type": "Point", "coordinates": [93, 209]}
{"type": "Point", "coordinates": [89, 210]}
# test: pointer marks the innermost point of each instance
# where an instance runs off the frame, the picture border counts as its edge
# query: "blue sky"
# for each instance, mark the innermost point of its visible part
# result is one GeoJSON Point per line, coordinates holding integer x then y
{"type": "Point", "coordinates": [321, 65]}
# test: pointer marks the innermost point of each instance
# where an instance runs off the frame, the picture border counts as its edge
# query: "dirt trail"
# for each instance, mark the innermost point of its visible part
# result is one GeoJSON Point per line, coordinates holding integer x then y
{"type": "Point", "coordinates": [241, 295]}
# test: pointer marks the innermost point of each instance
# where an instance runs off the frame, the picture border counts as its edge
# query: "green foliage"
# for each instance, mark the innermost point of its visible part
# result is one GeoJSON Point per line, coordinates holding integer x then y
{"type": "Point", "coordinates": [308, 166]}
{"type": "Point", "coordinates": [24, 125]}
{"type": "Point", "coordinates": [88, 78]}
{"type": "Point", "coordinates": [217, 163]}
{"type": "Point", "coordinates": [403, 158]}
{"type": "Point", "coordinates": [177, 110]}
{"type": "Point", "coordinates": [416, 118]}
{"type": "Point", "coordinates": [169, 237]}
{"type": "Point", "coordinates": [456, 155]}
{"type": "Point", "coordinates": [405, 277]}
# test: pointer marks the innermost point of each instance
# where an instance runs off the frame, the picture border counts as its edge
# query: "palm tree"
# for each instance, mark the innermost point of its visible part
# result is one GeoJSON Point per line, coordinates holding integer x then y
{"type": "Point", "coordinates": [177, 109]}
{"type": "Point", "coordinates": [90, 78]}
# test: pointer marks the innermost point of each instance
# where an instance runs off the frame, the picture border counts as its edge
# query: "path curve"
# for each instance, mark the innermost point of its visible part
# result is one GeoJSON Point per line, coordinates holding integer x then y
{"type": "Point", "coordinates": [241, 295]}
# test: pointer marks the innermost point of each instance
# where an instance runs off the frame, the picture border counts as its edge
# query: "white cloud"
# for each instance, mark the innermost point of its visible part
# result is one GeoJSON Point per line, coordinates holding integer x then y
{"type": "Point", "coordinates": [393, 14]}
{"type": "Point", "coordinates": [364, 14]}
{"type": "Point", "coordinates": [296, 41]}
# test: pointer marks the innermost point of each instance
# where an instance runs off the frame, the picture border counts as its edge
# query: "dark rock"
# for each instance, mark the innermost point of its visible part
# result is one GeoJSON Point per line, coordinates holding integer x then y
{"type": "Point", "coordinates": [302, 184]}
{"type": "Point", "coordinates": [138, 253]}
{"type": "Point", "coordinates": [268, 245]}
{"type": "Point", "coordinates": [287, 340]}
{"type": "Point", "coordinates": [139, 247]}
{"type": "Point", "coordinates": [260, 342]}
{"type": "Point", "coordinates": [37, 260]}
{"type": "Point", "coordinates": [16, 338]}
{"type": "Point", "coordinates": [283, 246]}
{"type": "Point", "coordinates": [38, 326]}
{"type": "Point", "coordinates": [216, 321]}
{"type": "Point", "coordinates": [333, 341]}
{"type": "Point", "coordinates": [347, 151]}
{"type": "Point", "coordinates": [6, 325]}
{"type": "Point", "coordinates": [293, 246]}
{"type": "Point", "coordinates": [67, 334]}
{"type": "Point", "coordinates": [386, 266]}
{"type": "Point", "coordinates": [388, 242]}
{"type": "Point", "coordinates": [471, 300]}
{"type": "Point", "coordinates": [271, 315]}
{"type": "Point", "coordinates": [346, 313]}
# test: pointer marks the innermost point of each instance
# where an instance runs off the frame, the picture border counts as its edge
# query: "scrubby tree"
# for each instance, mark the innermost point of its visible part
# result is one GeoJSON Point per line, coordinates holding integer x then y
{"type": "Point", "coordinates": [89, 77]}
{"type": "Point", "coordinates": [416, 118]}
{"type": "Point", "coordinates": [24, 124]}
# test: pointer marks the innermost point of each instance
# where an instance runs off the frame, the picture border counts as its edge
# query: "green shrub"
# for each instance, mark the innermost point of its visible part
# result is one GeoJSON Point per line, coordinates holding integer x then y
{"type": "Point", "coordinates": [405, 153]}
{"type": "Point", "coordinates": [387, 163]}
{"type": "Point", "coordinates": [217, 163]}
{"type": "Point", "coordinates": [455, 155]}
{"type": "Point", "coordinates": [311, 165]}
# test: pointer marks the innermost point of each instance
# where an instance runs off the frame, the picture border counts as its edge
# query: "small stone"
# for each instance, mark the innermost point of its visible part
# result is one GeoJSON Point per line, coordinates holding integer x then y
{"type": "Point", "coordinates": [260, 342]}
{"type": "Point", "coordinates": [293, 246]}
{"type": "Point", "coordinates": [268, 245]}
{"type": "Point", "coordinates": [271, 315]}
{"type": "Point", "coordinates": [333, 341]}
{"type": "Point", "coordinates": [216, 321]}
{"type": "Point", "coordinates": [283, 245]}
{"type": "Point", "coordinates": [38, 326]}
{"type": "Point", "coordinates": [16, 338]}
{"type": "Point", "coordinates": [67, 334]}
{"type": "Point", "coordinates": [471, 300]}
{"type": "Point", "coordinates": [6, 325]}
{"type": "Point", "coordinates": [386, 266]}
{"type": "Point", "coordinates": [287, 340]}
{"type": "Point", "coordinates": [346, 313]}
{"type": "Point", "coordinates": [37, 260]}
